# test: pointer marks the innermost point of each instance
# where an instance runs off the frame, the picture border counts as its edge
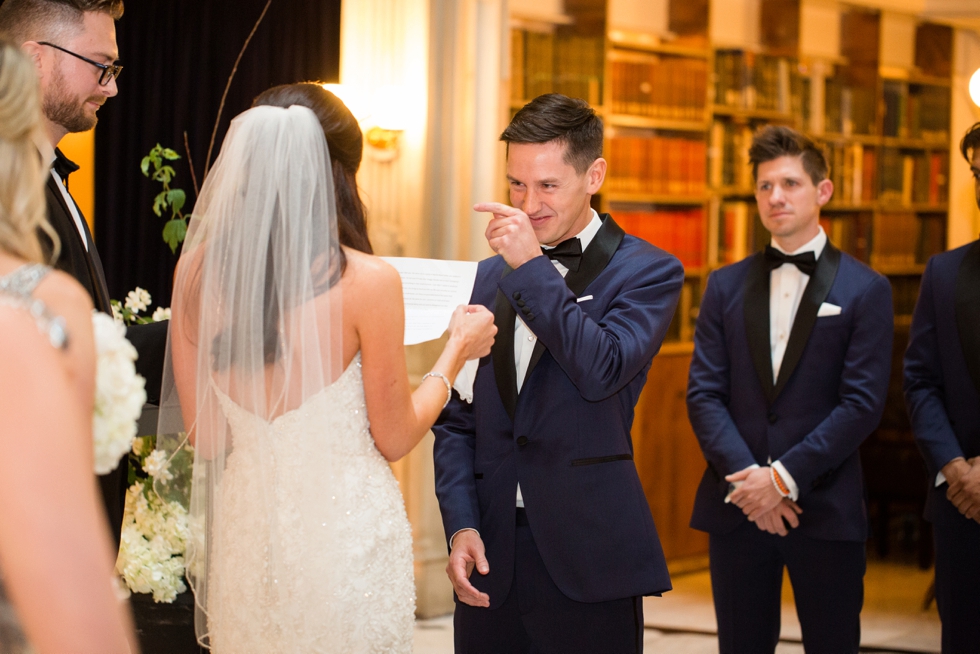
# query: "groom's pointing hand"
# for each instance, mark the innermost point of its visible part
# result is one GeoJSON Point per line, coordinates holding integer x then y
{"type": "Point", "coordinates": [510, 233]}
{"type": "Point", "coordinates": [468, 552]}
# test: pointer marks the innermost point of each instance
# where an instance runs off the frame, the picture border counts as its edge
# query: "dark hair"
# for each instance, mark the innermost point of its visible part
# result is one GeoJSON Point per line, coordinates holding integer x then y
{"type": "Point", "coordinates": [345, 142]}
{"type": "Point", "coordinates": [30, 20]}
{"type": "Point", "coordinates": [970, 142]}
{"type": "Point", "coordinates": [556, 117]}
{"type": "Point", "coordinates": [775, 141]}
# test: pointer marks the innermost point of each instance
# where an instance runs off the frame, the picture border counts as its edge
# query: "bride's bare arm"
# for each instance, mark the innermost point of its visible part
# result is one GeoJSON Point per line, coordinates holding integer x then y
{"type": "Point", "coordinates": [399, 417]}
{"type": "Point", "coordinates": [55, 550]}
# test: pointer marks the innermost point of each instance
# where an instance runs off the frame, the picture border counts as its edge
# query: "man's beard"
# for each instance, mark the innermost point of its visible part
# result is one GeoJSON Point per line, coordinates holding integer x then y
{"type": "Point", "coordinates": [62, 109]}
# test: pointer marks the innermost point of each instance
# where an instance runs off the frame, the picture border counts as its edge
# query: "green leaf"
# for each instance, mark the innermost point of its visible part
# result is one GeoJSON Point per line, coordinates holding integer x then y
{"type": "Point", "coordinates": [160, 203]}
{"type": "Point", "coordinates": [145, 166]}
{"type": "Point", "coordinates": [170, 154]}
{"type": "Point", "coordinates": [174, 232]}
{"type": "Point", "coordinates": [176, 198]}
{"type": "Point", "coordinates": [165, 174]}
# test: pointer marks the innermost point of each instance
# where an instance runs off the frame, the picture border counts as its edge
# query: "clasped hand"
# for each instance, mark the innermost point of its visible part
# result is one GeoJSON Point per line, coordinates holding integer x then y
{"type": "Point", "coordinates": [963, 478]}
{"type": "Point", "coordinates": [510, 233]}
{"type": "Point", "coordinates": [762, 503]}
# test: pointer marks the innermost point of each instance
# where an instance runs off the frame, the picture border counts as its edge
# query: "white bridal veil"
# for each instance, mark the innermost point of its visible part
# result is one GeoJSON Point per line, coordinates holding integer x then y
{"type": "Point", "coordinates": [256, 319]}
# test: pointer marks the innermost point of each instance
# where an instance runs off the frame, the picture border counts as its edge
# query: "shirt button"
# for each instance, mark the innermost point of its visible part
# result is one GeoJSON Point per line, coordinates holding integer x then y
{"type": "Point", "coordinates": [522, 440]}
{"type": "Point", "coordinates": [782, 336]}
{"type": "Point", "coordinates": [530, 338]}
{"type": "Point", "coordinates": [785, 294]}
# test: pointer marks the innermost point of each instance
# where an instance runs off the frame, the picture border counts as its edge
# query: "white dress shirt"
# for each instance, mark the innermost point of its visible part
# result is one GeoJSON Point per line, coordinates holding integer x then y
{"type": "Point", "coordinates": [524, 338]}
{"type": "Point", "coordinates": [786, 286]}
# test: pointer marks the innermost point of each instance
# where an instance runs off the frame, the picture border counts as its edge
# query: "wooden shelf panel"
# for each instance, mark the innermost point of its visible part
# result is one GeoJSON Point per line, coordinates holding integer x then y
{"type": "Point", "coordinates": [752, 114]}
{"type": "Point", "coordinates": [664, 200]}
{"type": "Point", "coordinates": [666, 124]}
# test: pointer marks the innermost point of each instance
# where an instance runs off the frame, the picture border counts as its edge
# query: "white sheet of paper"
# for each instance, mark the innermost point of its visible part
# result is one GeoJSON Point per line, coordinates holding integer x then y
{"type": "Point", "coordinates": [432, 289]}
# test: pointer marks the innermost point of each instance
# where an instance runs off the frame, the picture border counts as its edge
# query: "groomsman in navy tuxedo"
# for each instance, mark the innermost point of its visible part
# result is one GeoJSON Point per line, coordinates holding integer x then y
{"type": "Point", "coordinates": [791, 360]}
{"type": "Point", "coordinates": [535, 478]}
{"type": "Point", "coordinates": [942, 391]}
{"type": "Point", "coordinates": [73, 46]}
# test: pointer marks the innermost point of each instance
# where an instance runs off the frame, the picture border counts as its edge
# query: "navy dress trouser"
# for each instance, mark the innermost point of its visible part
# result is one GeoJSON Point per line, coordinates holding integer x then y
{"type": "Point", "coordinates": [957, 579]}
{"type": "Point", "coordinates": [747, 578]}
{"type": "Point", "coordinates": [537, 618]}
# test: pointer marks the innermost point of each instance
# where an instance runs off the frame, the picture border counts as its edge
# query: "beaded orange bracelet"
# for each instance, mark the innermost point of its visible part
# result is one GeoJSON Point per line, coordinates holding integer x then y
{"type": "Point", "coordinates": [778, 482]}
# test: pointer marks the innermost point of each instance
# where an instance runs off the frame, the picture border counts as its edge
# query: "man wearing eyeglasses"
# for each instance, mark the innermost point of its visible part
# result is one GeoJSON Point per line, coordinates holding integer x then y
{"type": "Point", "coordinates": [73, 46]}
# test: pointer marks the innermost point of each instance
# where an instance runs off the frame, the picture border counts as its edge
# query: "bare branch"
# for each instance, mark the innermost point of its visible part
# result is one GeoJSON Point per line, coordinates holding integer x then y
{"type": "Point", "coordinates": [224, 96]}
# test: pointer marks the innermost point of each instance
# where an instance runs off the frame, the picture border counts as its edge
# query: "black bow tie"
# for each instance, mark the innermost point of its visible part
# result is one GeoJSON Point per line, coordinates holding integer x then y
{"type": "Point", "coordinates": [63, 165]}
{"type": "Point", "coordinates": [806, 262]}
{"type": "Point", "coordinates": [567, 253]}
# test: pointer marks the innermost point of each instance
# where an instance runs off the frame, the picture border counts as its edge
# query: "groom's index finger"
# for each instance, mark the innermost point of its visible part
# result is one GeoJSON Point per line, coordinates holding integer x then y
{"type": "Point", "coordinates": [496, 208]}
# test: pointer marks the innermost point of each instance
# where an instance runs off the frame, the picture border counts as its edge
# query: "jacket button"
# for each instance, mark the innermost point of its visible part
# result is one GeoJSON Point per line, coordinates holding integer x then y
{"type": "Point", "coordinates": [521, 303]}
{"type": "Point", "coordinates": [773, 418]}
{"type": "Point", "coordinates": [517, 295]}
{"type": "Point", "coordinates": [525, 310]}
{"type": "Point", "coordinates": [530, 316]}
{"type": "Point", "coordinates": [522, 440]}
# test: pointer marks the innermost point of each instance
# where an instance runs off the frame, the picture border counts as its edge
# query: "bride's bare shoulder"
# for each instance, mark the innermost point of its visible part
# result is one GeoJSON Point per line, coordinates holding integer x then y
{"type": "Point", "coordinates": [366, 271]}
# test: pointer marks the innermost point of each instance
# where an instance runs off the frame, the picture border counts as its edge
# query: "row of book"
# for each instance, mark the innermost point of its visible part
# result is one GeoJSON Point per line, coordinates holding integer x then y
{"type": "Point", "coordinates": [904, 239]}
{"type": "Point", "coordinates": [678, 231]}
{"type": "Point", "coordinates": [740, 232]}
{"type": "Point", "coordinates": [728, 155]}
{"type": "Point", "coordinates": [655, 165]}
{"type": "Point", "coordinates": [849, 109]}
{"type": "Point", "coordinates": [746, 80]}
{"type": "Point", "coordinates": [849, 232]}
{"type": "Point", "coordinates": [913, 177]}
{"type": "Point", "coordinates": [556, 62]}
{"type": "Point", "coordinates": [655, 86]}
{"type": "Point", "coordinates": [916, 111]}
{"type": "Point", "coordinates": [852, 170]}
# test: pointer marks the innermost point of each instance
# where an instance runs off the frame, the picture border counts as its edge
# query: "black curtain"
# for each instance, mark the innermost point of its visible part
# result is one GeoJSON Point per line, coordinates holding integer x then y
{"type": "Point", "coordinates": [177, 56]}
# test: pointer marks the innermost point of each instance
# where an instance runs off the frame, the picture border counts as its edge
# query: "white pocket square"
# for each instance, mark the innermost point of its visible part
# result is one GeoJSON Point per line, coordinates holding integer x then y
{"type": "Point", "coordinates": [827, 309]}
{"type": "Point", "coordinates": [584, 298]}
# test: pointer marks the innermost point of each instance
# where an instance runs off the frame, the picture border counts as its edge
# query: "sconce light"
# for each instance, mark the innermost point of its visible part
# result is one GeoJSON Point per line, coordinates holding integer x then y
{"type": "Point", "coordinates": [975, 87]}
{"type": "Point", "coordinates": [384, 112]}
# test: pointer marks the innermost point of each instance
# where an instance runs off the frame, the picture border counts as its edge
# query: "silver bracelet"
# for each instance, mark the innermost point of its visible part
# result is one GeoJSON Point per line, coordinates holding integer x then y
{"type": "Point", "coordinates": [445, 380]}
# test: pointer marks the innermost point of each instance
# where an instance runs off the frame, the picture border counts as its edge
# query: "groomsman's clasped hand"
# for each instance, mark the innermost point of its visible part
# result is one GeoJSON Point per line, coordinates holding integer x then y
{"type": "Point", "coordinates": [762, 503]}
{"type": "Point", "coordinates": [963, 478]}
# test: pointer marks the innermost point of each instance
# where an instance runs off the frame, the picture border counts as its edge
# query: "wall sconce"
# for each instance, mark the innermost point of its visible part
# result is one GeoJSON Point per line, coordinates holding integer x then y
{"type": "Point", "coordinates": [975, 87]}
{"type": "Point", "coordinates": [382, 117]}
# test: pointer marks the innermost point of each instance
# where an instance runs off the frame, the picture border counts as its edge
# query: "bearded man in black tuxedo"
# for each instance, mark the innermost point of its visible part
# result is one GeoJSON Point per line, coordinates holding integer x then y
{"type": "Point", "coordinates": [73, 46]}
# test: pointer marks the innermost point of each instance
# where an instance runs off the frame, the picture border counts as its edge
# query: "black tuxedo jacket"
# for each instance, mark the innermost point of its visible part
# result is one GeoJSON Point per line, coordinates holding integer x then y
{"type": "Point", "coordinates": [150, 340]}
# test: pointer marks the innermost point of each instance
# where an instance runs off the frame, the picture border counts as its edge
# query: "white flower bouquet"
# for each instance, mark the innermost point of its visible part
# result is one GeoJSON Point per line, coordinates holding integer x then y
{"type": "Point", "coordinates": [155, 526]}
{"type": "Point", "coordinates": [119, 393]}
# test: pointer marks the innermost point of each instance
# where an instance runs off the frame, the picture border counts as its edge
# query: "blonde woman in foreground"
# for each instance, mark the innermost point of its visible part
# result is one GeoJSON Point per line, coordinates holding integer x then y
{"type": "Point", "coordinates": [56, 558]}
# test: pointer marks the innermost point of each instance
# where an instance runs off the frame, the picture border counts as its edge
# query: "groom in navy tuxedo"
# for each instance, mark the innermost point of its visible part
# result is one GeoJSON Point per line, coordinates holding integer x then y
{"type": "Point", "coordinates": [535, 478]}
{"type": "Point", "coordinates": [792, 352]}
{"type": "Point", "coordinates": [942, 391]}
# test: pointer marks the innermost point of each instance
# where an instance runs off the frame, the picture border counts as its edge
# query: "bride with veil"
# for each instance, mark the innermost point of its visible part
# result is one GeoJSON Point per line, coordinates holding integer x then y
{"type": "Point", "coordinates": [287, 370]}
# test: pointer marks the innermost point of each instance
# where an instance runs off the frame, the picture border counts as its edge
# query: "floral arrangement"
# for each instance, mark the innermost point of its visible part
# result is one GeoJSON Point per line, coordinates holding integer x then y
{"type": "Point", "coordinates": [119, 393]}
{"type": "Point", "coordinates": [156, 525]}
{"type": "Point", "coordinates": [139, 300]}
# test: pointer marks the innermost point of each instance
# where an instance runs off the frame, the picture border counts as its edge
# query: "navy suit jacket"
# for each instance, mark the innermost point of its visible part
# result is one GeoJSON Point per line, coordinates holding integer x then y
{"type": "Point", "coordinates": [566, 436]}
{"type": "Point", "coordinates": [828, 398]}
{"type": "Point", "coordinates": [942, 366]}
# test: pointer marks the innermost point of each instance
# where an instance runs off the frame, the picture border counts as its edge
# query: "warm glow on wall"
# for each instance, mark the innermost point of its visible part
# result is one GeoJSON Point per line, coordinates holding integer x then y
{"type": "Point", "coordinates": [975, 88]}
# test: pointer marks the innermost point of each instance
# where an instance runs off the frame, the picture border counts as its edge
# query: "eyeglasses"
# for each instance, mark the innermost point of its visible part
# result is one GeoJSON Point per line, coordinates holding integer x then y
{"type": "Point", "coordinates": [109, 71]}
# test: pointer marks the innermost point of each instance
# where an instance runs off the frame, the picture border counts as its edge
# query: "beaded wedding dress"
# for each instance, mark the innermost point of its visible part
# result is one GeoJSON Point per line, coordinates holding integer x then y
{"type": "Point", "coordinates": [343, 581]}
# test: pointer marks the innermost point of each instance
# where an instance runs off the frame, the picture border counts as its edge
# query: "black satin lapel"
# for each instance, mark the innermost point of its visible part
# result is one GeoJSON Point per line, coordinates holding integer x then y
{"type": "Point", "coordinates": [64, 224]}
{"type": "Point", "coordinates": [755, 305]}
{"type": "Point", "coordinates": [968, 311]}
{"type": "Point", "coordinates": [814, 295]}
{"type": "Point", "coordinates": [502, 351]}
{"type": "Point", "coordinates": [98, 274]}
{"type": "Point", "coordinates": [594, 260]}
{"type": "Point", "coordinates": [596, 256]}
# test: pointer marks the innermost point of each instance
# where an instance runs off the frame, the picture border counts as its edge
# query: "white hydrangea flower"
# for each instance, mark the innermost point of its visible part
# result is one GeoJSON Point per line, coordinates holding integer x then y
{"type": "Point", "coordinates": [161, 314]}
{"type": "Point", "coordinates": [154, 538]}
{"type": "Point", "coordinates": [137, 300]}
{"type": "Point", "coordinates": [117, 312]}
{"type": "Point", "coordinates": [119, 393]}
{"type": "Point", "coordinates": [158, 466]}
